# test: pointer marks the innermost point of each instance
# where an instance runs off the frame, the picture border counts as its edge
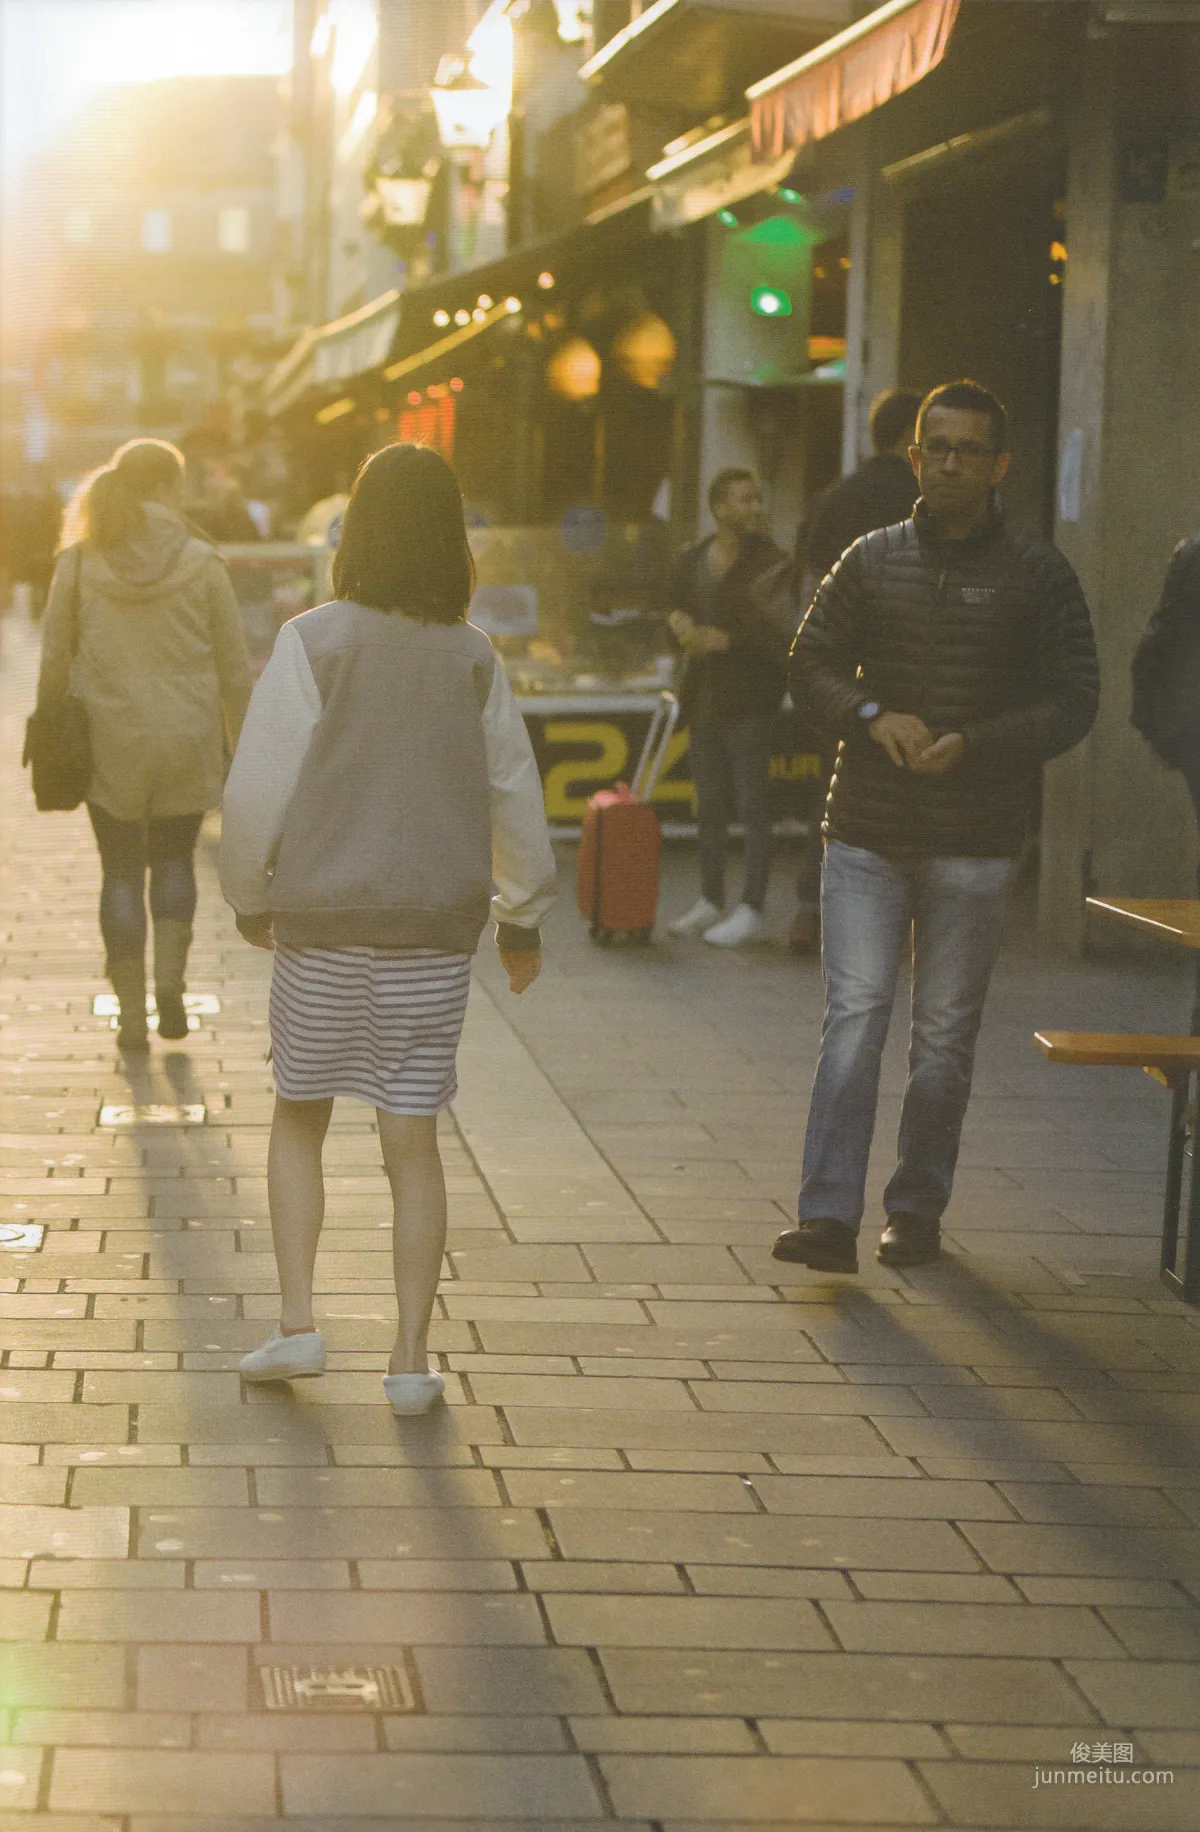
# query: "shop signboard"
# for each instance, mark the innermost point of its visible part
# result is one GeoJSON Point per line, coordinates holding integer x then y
{"type": "Point", "coordinates": [587, 742]}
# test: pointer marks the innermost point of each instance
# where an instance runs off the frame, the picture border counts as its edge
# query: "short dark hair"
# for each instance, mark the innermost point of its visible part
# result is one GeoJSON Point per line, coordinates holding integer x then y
{"type": "Point", "coordinates": [968, 397]}
{"type": "Point", "coordinates": [403, 544]}
{"type": "Point", "coordinates": [724, 481]}
{"type": "Point", "coordinates": [892, 415]}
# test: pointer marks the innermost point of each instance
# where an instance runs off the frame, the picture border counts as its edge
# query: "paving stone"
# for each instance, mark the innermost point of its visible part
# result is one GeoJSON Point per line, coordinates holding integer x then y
{"type": "Point", "coordinates": [966, 1628]}
{"type": "Point", "coordinates": [160, 1487]}
{"type": "Point", "coordinates": [1001, 1791]}
{"type": "Point", "coordinates": [1138, 1593]}
{"type": "Point", "coordinates": [1093, 1505]}
{"type": "Point", "coordinates": [456, 1785]}
{"type": "Point", "coordinates": [693, 1622]}
{"type": "Point", "coordinates": [431, 1532]}
{"type": "Point", "coordinates": [123, 1729]}
{"type": "Point", "coordinates": [515, 1681]}
{"type": "Point", "coordinates": [876, 1498]}
{"type": "Point", "coordinates": [768, 1581]}
{"type": "Point", "coordinates": [605, 1577]}
{"type": "Point", "coordinates": [135, 1781]}
{"type": "Point", "coordinates": [182, 1678]}
{"type": "Point", "coordinates": [805, 1737]}
{"type": "Point", "coordinates": [663, 1735]}
{"type": "Point", "coordinates": [436, 1574]}
{"type": "Point", "coordinates": [139, 1616]}
{"type": "Point", "coordinates": [752, 1539]}
{"type": "Point", "coordinates": [106, 1574]}
{"type": "Point", "coordinates": [1157, 1694]}
{"type": "Point", "coordinates": [866, 1686]}
{"type": "Point", "coordinates": [754, 1788]}
{"type": "Point", "coordinates": [650, 1430]}
{"type": "Point", "coordinates": [337, 1488]}
{"type": "Point", "coordinates": [1095, 1551]}
{"type": "Point", "coordinates": [1157, 1634]}
{"type": "Point", "coordinates": [586, 1489]}
{"type": "Point", "coordinates": [519, 1735]}
{"type": "Point", "coordinates": [48, 1673]}
{"type": "Point", "coordinates": [310, 1730]}
{"type": "Point", "coordinates": [407, 1618]}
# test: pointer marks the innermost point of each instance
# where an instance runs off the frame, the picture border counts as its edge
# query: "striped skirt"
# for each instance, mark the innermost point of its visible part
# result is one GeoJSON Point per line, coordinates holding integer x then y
{"type": "Point", "coordinates": [380, 1025]}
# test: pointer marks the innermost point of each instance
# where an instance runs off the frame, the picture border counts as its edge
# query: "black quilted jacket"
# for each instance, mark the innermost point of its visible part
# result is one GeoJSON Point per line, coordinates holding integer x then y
{"type": "Point", "coordinates": [989, 637]}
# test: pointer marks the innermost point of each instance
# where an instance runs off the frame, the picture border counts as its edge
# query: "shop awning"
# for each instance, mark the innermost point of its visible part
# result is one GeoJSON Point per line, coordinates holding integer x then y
{"type": "Point", "coordinates": [711, 174]}
{"type": "Point", "coordinates": [334, 352]}
{"type": "Point", "coordinates": [707, 50]}
{"type": "Point", "coordinates": [848, 76]}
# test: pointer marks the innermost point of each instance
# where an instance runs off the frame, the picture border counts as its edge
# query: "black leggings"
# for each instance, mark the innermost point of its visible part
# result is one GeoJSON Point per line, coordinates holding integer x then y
{"type": "Point", "coordinates": [126, 849]}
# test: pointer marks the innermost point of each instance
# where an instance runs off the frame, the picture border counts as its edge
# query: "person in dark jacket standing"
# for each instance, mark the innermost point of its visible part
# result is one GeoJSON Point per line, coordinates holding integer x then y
{"type": "Point", "coordinates": [952, 658]}
{"type": "Point", "coordinates": [880, 492]}
{"type": "Point", "coordinates": [735, 671]}
{"type": "Point", "coordinates": [1166, 683]}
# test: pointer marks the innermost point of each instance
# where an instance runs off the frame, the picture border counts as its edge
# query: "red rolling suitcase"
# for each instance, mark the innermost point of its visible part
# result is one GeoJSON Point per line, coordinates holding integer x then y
{"type": "Point", "coordinates": [621, 844]}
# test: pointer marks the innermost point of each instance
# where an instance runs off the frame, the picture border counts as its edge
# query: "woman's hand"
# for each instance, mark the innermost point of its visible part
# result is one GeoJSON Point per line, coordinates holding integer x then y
{"type": "Point", "coordinates": [522, 966]}
{"type": "Point", "coordinates": [256, 930]}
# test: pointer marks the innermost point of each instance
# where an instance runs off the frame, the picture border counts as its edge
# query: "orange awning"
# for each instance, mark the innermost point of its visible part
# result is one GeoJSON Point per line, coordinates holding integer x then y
{"type": "Point", "coordinates": [849, 75]}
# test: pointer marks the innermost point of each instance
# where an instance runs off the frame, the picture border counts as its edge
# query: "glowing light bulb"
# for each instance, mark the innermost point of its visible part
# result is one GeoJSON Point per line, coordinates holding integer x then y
{"type": "Point", "coordinates": [441, 317]}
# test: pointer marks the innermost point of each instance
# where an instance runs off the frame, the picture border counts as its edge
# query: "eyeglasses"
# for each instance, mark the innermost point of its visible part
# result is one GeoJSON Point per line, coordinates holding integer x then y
{"type": "Point", "coordinates": [967, 451]}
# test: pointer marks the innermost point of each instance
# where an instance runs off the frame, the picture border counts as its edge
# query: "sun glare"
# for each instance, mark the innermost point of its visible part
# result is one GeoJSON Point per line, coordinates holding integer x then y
{"type": "Point", "coordinates": [57, 52]}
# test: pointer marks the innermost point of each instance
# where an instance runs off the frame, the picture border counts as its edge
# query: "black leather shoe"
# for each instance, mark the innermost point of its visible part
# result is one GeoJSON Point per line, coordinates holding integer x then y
{"type": "Point", "coordinates": [825, 1246]}
{"type": "Point", "coordinates": [909, 1240]}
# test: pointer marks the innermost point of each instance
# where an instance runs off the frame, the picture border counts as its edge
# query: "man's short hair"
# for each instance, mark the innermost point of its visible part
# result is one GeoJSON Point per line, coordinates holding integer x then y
{"type": "Point", "coordinates": [968, 397]}
{"type": "Point", "coordinates": [724, 481]}
{"type": "Point", "coordinates": [892, 415]}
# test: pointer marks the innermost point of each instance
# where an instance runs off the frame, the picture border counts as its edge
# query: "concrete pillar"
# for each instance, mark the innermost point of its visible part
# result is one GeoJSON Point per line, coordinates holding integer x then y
{"type": "Point", "coordinates": [1129, 462]}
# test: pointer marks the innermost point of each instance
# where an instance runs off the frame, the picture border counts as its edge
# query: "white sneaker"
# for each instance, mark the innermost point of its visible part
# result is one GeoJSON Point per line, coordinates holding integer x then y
{"type": "Point", "coordinates": [286, 1358]}
{"type": "Point", "coordinates": [744, 925]}
{"type": "Point", "coordinates": [411, 1393]}
{"type": "Point", "coordinates": [699, 919]}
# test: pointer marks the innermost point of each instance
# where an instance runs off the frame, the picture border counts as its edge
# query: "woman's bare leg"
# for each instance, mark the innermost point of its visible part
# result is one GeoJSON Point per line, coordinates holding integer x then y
{"type": "Point", "coordinates": [414, 1170]}
{"type": "Point", "coordinates": [296, 1192]}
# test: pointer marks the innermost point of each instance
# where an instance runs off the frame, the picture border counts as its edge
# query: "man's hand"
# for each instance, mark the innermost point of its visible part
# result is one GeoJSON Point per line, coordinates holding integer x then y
{"type": "Point", "coordinates": [256, 930]}
{"type": "Point", "coordinates": [903, 736]}
{"type": "Point", "coordinates": [700, 638]}
{"type": "Point", "coordinates": [522, 966]}
{"type": "Point", "coordinates": [940, 757]}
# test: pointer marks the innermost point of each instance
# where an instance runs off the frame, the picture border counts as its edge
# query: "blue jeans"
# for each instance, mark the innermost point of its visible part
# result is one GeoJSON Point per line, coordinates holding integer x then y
{"type": "Point", "coordinates": [953, 910]}
{"type": "Point", "coordinates": [731, 760]}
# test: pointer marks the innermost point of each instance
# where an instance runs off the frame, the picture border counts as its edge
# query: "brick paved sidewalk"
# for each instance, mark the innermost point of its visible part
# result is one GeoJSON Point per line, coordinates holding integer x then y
{"type": "Point", "coordinates": [688, 1548]}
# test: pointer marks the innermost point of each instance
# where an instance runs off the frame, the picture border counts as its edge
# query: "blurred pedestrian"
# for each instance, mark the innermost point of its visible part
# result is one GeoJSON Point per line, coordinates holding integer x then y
{"type": "Point", "coordinates": [32, 519]}
{"type": "Point", "coordinates": [733, 682]}
{"type": "Point", "coordinates": [1166, 683]}
{"type": "Point", "coordinates": [952, 658]}
{"type": "Point", "coordinates": [384, 784]}
{"type": "Point", "coordinates": [142, 624]}
{"type": "Point", "coordinates": [879, 493]}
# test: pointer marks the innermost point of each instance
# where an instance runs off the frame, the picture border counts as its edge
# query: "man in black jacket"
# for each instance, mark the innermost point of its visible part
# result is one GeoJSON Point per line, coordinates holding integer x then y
{"type": "Point", "coordinates": [735, 669]}
{"type": "Point", "coordinates": [1166, 683]}
{"type": "Point", "coordinates": [953, 659]}
{"type": "Point", "coordinates": [880, 492]}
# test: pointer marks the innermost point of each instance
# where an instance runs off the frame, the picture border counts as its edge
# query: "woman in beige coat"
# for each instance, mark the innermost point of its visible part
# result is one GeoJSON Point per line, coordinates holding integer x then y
{"type": "Point", "coordinates": [143, 626]}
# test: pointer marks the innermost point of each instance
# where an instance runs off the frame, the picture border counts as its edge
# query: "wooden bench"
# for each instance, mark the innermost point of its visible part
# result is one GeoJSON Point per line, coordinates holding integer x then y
{"type": "Point", "coordinates": [1172, 1061]}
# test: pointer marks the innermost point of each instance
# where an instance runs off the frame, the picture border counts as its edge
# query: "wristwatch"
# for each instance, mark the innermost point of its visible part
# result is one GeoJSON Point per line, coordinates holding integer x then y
{"type": "Point", "coordinates": [869, 711]}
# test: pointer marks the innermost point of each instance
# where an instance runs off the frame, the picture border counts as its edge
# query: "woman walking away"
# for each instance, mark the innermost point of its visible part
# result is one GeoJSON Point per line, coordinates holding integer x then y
{"type": "Point", "coordinates": [383, 798]}
{"type": "Point", "coordinates": [142, 624]}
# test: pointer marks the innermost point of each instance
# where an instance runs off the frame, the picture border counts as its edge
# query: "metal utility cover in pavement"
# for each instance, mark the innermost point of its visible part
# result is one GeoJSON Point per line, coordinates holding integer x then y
{"type": "Point", "coordinates": [337, 1689]}
{"type": "Point", "coordinates": [154, 1114]}
{"type": "Point", "coordinates": [22, 1234]}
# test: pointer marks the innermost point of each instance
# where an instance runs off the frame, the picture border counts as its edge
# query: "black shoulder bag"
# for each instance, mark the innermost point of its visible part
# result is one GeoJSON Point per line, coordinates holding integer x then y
{"type": "Point", "coordinates": [58, 743]}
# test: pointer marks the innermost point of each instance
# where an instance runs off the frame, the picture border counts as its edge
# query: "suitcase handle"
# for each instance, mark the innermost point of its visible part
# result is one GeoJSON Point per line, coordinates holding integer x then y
{"type": "Point", "coordinates": [662, 729]}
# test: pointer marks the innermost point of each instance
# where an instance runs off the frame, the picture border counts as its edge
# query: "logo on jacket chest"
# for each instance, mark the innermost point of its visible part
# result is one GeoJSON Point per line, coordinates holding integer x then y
{"type": "Point", "coordinates": [978, 594]}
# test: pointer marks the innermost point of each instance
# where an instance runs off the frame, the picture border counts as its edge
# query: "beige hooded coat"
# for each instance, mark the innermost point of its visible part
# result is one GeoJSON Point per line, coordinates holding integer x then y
{"type": "Point", "coordinates": [161, 667]}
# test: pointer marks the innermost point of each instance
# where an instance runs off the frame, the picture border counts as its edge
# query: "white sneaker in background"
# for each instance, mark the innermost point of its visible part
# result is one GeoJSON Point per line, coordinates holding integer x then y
{"type": "Point", "coordinates": [412, 1393]}
{"type": "Point", "coordinates": [699, 919]}
{"type": "Point", "coordinates": [743, 926]}
{"type": "Point", "coordinates": [286, 1358]}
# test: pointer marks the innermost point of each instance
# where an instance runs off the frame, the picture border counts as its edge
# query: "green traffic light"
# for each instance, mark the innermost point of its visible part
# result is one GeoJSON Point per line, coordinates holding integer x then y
{"type": "Point", "coordinates": [771, 302]}
{"type": "Point", "coordinates": [788, 195]}
{"type": "Point", "coordinates": [728, 217]}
